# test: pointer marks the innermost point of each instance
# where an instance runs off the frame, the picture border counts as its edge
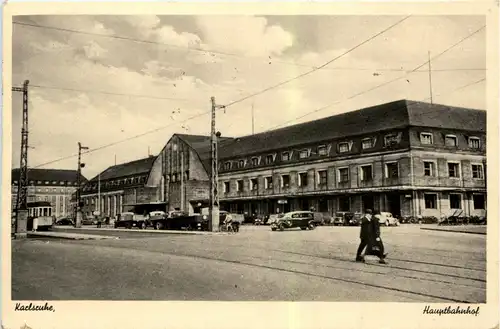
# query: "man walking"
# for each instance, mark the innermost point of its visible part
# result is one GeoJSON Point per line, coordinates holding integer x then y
{"type": "Point", "coordinates": [370, 236]}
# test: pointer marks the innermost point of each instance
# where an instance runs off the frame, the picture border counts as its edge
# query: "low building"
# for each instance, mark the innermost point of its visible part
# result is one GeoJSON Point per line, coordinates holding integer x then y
{"type": "Point", "coordinates": [53, 185]}
{"type": "Point", "coordinates": [409, 158]}
{"type": "Point", "coordinates": [121, 188]}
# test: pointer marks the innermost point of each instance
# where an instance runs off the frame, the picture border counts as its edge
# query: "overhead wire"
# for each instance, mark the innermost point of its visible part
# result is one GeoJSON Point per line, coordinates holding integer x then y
{"type": "Point", "coordinates": [207, 112]}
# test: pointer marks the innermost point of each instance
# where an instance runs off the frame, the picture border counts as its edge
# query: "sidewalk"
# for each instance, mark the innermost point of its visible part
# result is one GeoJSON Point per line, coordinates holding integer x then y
{"type": "Point", "coordinates": [68, 236]}
{"type": "Point", "coordinates": [108, 228]}
{"type": "Point", "coordinates": [470, 229]}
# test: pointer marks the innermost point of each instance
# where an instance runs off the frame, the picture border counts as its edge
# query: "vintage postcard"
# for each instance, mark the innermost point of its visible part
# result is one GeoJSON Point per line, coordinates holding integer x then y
{"type": "Point", "coordinates": [274, 165]}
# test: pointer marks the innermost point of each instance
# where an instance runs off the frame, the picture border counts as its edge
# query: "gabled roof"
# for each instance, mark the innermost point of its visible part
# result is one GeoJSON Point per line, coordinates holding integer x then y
{"type": "Point", "coordinates": [50, 175]}
{"type": "Point", "coordinates": [136, 167]}
{"type": "Point", "coordinates": [398, 114]}
{"type": "Point", "coordinates": [201, 145]}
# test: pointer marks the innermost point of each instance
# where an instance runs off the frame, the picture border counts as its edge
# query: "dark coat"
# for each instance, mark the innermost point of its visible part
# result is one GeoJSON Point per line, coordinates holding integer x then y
{"type": "Point", "coordinates": [370, 229]}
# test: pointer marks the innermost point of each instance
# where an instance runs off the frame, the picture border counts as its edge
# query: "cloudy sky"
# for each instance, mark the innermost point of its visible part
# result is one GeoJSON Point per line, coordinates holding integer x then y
{"type": "Point", "coordinates": [104, 79]}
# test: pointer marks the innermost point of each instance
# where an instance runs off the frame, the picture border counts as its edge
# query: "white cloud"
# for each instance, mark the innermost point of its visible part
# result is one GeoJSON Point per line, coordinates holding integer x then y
{"type": "Point", "coordinates": [247, 35]}
{"type": "Point", "coordinates": [93, 50]}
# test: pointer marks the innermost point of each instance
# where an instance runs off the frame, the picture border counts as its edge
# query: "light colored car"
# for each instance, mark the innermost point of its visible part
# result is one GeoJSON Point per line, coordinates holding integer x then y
{"type": "Point", "coordinates": [386, 218]}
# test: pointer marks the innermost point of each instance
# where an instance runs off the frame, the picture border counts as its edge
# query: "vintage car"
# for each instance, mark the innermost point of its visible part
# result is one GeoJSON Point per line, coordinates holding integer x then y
{"type": "Point", "coordinates": [386, 218]}
{"type": "Point", "coordinates": [302, 219]}
{"type": "Point", "coordinates": [129, 220]}
{"type": "Point", "coordinates": [342, 218]}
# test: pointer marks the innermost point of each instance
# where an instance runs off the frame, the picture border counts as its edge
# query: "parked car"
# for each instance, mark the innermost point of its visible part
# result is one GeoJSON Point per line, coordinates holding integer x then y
{"type": "Point", "coordinates": [342, 218]}
{"type": "Point", "coordinates": [322, 218]}
{"type": "Point", "coordinates": [386, 218]}
{"type": "Point", "coordinates": [302, 219]}
{"type": "Point", "coordinates": [65, 221]}
{"type": "Point", "coordinates": [129, 220]}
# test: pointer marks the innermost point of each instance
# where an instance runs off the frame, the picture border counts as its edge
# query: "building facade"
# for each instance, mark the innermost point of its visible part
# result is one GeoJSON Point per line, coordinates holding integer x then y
{"type": "Point", "coordinates": [53, 185]}
{"type": "Point", "coordinates": [120, 188]}
{"type": "Point", "coordinates": [408, 158]}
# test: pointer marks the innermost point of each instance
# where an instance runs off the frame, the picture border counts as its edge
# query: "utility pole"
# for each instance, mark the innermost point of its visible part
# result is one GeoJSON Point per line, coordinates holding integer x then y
{"type": "Point", "coordinates": [78, 221]}
{"type": "Point", "coordinates": [22, 187]}
{"type": "Point", "coordinates": [214, 177]}
{"type": "Point", "coordinates": [430, 76]}
{"type": "Point", "coordinates": [182, 180]}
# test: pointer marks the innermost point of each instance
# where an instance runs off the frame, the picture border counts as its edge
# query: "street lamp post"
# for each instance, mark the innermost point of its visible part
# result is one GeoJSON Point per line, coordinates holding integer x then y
{"type": "Point", "coordinates": [78, 220]}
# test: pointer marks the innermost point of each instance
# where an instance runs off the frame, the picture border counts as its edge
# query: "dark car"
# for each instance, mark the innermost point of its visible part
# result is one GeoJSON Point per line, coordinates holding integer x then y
{"type": "Point", "coordinates": [65, 221]}
{"type": "Point", "coordinates": [302, 219]}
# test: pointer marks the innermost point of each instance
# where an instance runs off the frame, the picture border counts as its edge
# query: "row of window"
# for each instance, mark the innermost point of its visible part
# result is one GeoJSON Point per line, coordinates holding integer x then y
{"type": "Point", "coordinates": [39, 182]}
{"type": "Point", "coordinates": [453, 170]}
{"type": "Point", "coordinates": [321, 150]}
{"type": "Point", "coordinates": [430, 200]}
{"type": "Point", "coordinates": [450, 140]}
{"type": "Point", "coordinates": [117, 182]}
{"type": "Point", "coordinates": [343, 175]}
{"type": "Point", "coordinates": [176, 177]}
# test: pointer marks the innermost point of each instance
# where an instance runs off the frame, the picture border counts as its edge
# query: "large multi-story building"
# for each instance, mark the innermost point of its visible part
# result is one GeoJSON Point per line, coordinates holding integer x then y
{"type": "Point", "coordinates": [120, 188]}
{"type": "Point", "coordinates": [53, 185]}
{"type": "Point", "coordinates": [409, 158]}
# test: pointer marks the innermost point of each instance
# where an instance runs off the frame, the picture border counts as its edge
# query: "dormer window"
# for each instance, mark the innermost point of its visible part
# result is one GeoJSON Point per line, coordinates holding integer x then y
{"type": "Point", "coordinates": [304, 154]}
{"type": "Point", "coordinates": [426, 138]}
{"type": "Point", "coordinates": [285, 156]}
{"type": "Point", "coordinates": [322, 150]}
{"type": "Point", "coordinates": [241, 163]}
{"type": "Point", "coordinates": [367, 143]}
{"type": "Point", "coordinates": [343, 147]}
{"type": "Point", "coordinates": [451, 141]}
{"type": "Point", "coordinates": [391, 139]}
{"type": "Point", "coordinates": [474, 143]}
{"type": "Point", "coordinates": [227, 165]}
{"type": "Point", "coordinates": [269, 159]}
{"type": "Point", "coordinates": [255, 161]}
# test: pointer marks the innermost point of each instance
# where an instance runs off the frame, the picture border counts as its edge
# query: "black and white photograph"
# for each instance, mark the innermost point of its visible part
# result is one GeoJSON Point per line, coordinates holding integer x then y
{"type": "Point", "coordinates": [250, 157]}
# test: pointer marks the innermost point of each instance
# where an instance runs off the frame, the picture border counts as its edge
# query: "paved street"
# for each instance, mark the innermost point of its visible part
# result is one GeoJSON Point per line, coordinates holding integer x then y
{"type": "Point", "coordinates": [255, 264]}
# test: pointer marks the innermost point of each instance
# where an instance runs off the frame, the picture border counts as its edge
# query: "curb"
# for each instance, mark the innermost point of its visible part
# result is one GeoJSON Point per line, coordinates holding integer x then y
{"type": "Point", "coordinates": [136, 231]}
{"type": "Point", "coordinates": [69, 236]}
{"type": "Point", "coordinates": [453, 231]}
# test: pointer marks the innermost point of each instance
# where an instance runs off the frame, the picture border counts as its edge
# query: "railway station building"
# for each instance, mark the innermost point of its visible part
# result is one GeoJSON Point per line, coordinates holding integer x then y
{"type": "Point", "coordinates": [405, 157]}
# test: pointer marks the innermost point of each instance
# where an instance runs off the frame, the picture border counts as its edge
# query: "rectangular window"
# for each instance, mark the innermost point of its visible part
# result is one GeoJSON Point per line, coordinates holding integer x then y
{"type": "Point", "coordinates": [322, 177]}
{"type": "Point", "coordinates": [477, 171]}
{"type": "Point", "coordinates": [254, 184]}
{"type": "Point", "coordinates": [343, 147]}
{"type": "Point", "coordinates": [455, 201]}
{"type": "Point", "coordinates": [227, 165]}
{"type": "Point", "coordinates": [239, 185]}
{"type": "Point", "coordinates": [343, 175]}
{"type": "Point", "coordinates": [429, 168]}
{"type": "Point", "coordinates": [255, 162]}
{"type": "Point", "coordinates": [303, 179]}
{"type": "Point", "coordinates": [268, 181]}
{"type": "Point", "coordinates": [426, 138]}
{"type": "Point", "coordinates": [241, 163]}
{"type": "Point", "coordinates": [453, 170]}
{"type": "Point", "coordinates": [285, 181]}
{"type": "Point", "coordinates": [367, 143]}
{"type": "Point", "coordinates": [304, 154]}
{"type": "Point", "coordinates": [450, 140]}
{"type": "Point", "coordinates": [391, 170]}
{"type": "Point", "coordinates": [227, 187]}
{"type": "Point", "coordinates": [479, 201]}
{"type": "Point", "coordinates": [430, 201]}
{"type": "Point", "coordinates": [269, 159]}
{"type": "Point", "coordinates": [366, 173]}
{"type": "Point", "coordinates": [344, 203]}
{"type": "Point", "coordinates": [474, 142]}
{"type": "Point", "coordinates": [285, 156]}
{"type": "Point", "coordinates": [322, 150]}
